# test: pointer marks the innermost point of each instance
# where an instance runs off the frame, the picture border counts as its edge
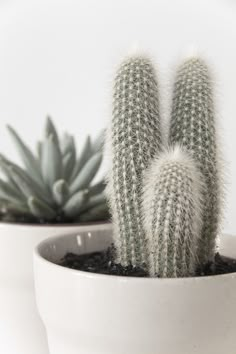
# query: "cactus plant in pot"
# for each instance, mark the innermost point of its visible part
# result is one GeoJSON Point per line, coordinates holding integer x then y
{"type": "Point", "coordinates": [163, 288]}
{"type": "Point", "coordinates": [54, 193]}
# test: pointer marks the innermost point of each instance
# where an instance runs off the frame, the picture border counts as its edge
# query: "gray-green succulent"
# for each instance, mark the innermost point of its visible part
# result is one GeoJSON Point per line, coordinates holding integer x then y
{"type": "Point", "coordinates": [55, 184]}
{"type": "Point", "coordinates": [165, 204]}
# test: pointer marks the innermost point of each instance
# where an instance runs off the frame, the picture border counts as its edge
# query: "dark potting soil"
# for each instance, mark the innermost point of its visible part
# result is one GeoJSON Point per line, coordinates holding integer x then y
{"type": "Point", "coordinates": [103, 263]}
{"type": "Point", "coordinates": [222, 265]}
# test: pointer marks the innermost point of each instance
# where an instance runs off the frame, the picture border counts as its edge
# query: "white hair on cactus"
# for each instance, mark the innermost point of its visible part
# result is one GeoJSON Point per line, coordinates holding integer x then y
{"type": "Point", "coordinates": [135, 50]}
{"type": "Point", "coordinates": [192, 51]}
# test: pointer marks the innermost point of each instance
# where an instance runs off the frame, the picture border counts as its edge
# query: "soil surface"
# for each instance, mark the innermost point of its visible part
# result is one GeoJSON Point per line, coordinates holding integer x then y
{"type": "Point", "coordinates": [103, 263]}
{"type": "Point", "coordinates": [222, 265]}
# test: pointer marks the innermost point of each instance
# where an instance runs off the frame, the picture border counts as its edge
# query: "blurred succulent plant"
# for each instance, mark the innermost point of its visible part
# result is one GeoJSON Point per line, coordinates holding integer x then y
{"type": "Point", "coordinates": [55, 185]}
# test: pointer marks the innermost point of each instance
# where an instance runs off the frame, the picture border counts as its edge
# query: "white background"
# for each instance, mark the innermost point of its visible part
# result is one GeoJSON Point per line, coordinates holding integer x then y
{"type": "Point", "coordinates": [58, 57]}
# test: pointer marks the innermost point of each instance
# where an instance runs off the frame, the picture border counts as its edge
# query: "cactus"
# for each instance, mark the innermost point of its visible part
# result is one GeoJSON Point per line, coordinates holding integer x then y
{"type": "Point", "coordinates": [134, 138]}
{"type": "Point", "coordinates": [193, 126]}
{"type": "Point", "coordinates": [166, 206]}
{"type": "Point", "coordinates": [172, 208]}
{"type": "Point", "coordinates": [55, 185]}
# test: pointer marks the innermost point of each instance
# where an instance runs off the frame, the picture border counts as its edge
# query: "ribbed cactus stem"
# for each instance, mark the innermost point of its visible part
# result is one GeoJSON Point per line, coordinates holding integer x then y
{"type": "Point", "coordinates": [172, 214]}
{"type": "Point", "coordinates": [193, 126]}
{"type": "Point", "coordinates": [134, 139]}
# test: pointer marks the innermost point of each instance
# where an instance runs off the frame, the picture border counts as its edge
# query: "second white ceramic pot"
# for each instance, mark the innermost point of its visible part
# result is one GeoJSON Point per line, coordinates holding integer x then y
{"type": "Point", "coordinates": [87, 313]}
{"type": "Point", "coordinates": [21, 330]}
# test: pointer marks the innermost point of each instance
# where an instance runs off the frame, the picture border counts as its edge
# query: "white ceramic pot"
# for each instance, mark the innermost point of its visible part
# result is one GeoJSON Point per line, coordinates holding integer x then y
{"type": "Point", "coordinates": [86, 313]}
{"type": "Point", "coordinates": [21, 330]}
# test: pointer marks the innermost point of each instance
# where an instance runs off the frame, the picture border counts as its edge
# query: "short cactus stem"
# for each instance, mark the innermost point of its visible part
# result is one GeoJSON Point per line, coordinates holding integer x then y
{"type": "Point", "coordinates": [172, 207]}
{"type": "Point", "coordinates": [135, 139]}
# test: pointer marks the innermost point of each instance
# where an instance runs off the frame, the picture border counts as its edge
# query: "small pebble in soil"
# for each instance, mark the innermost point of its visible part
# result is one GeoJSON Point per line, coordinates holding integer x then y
{"type": "Point", "coordinates": [103, 263]}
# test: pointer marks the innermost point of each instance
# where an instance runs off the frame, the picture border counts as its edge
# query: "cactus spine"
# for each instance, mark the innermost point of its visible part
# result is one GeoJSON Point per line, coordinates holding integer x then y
{"type": "Point", "coordinates": [172, 214]}
{"type": "Point", "coordinates": [135, 139]}
{"type": "Point", "coordinates": [193, 126]}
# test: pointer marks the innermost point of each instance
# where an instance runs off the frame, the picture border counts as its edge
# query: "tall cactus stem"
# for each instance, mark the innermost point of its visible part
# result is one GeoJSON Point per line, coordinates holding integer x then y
{"type": "Point", "coordinates": [193, 126]}
{"type": "Point", "coordinates": [134, 138]}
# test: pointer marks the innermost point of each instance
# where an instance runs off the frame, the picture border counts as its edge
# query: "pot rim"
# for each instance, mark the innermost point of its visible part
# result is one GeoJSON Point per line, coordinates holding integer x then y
{"type": "Point", "coordinates": [108, 277]}
{"type": "Point", "coordinates": [25, 224]}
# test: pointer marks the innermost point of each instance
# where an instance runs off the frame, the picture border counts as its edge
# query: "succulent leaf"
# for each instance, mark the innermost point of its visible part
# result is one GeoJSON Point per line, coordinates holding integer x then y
{"type": "Point", "coordinates": [84, 157]}
{"type": "Point", "coordinates": [39, 150]}
{"type": "Point", "coordinates": [51, 130]}
{"type": "Point", "coordinates": [97, 188]}
{"type": "Point", "coordinates": [94, 201]}
{"type": "Point", "coordinates": [24, 184]}
{"type": "Point", "coordinates": [16, 173]}
{"type": "Point", "coordinates": [4, 166]}
{"type": "Point", "coordinates": [68, 145]}
{"type": "Point", "coordinates": [60, 191]}
{"type": "Point", "coordinates": [87, 173]}
{"type": "Point", "coordinates": [68, 165]}
{"type": "Point", "coordinates": [40, 209]}
{"type": "Point", "coordinates": [51, 161]}
{"type": "Point", "coordinates": [99, 141]}
{"type": "Point", "coordinates": [99, 212]}
{"type": "Point", "coordinates": [13, 208]}
{"type": "Point", "coordinates": [75, 204]}
{"type": "Point", "coordinates": [27, 156]}
{"type": "Point", "coordinates": [8, 193]}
